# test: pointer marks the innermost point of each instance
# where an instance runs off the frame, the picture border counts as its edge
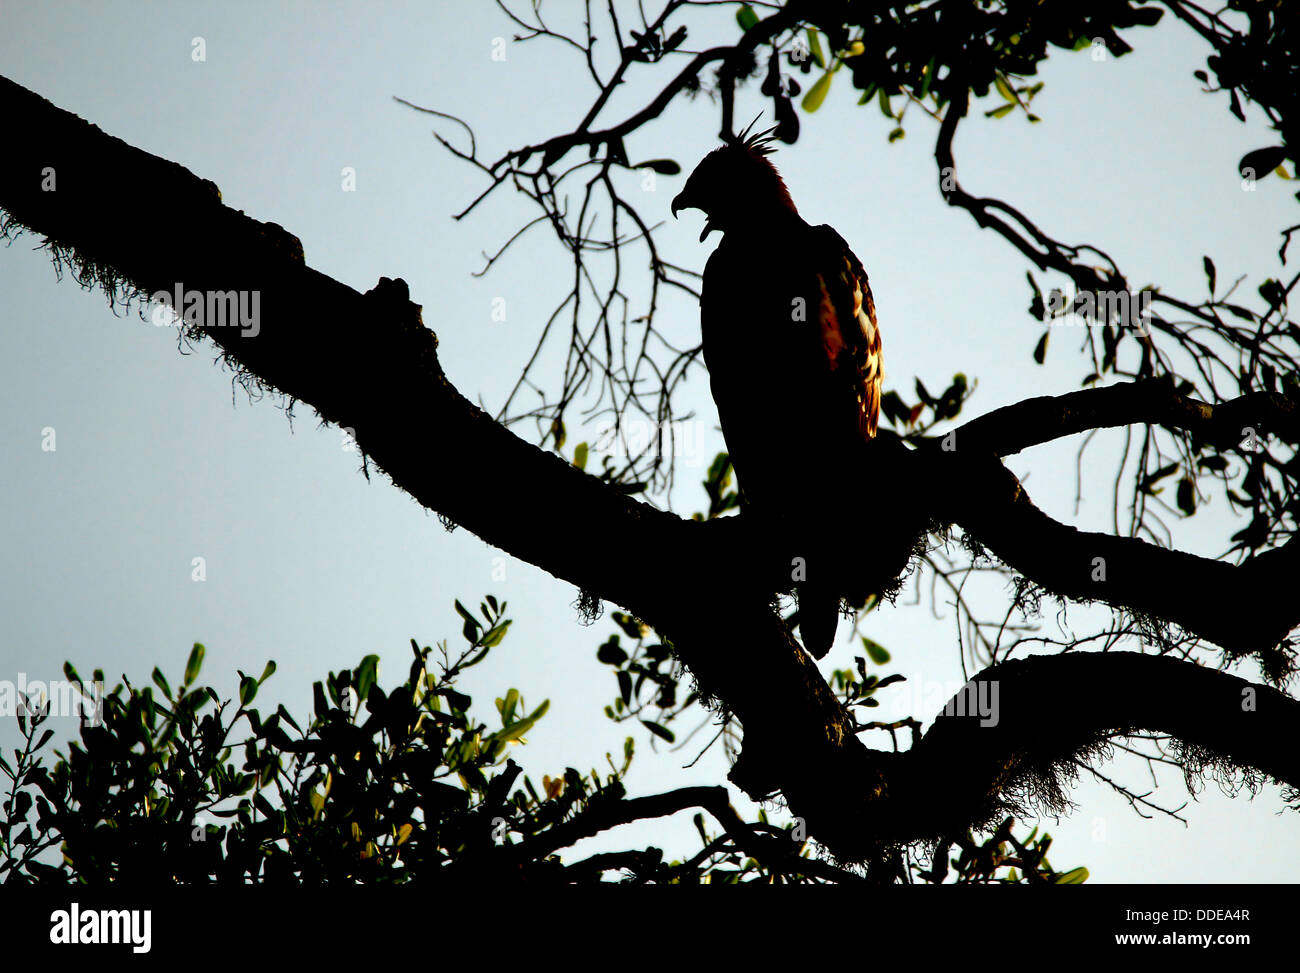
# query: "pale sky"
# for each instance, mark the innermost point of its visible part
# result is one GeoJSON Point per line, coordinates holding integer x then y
{"type": "Point", "coordinates": [159, 460]}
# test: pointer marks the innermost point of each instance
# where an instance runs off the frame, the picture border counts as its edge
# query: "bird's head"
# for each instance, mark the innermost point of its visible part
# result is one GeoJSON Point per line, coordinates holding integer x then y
{"type": "Point", "coordinates": [736, 185]}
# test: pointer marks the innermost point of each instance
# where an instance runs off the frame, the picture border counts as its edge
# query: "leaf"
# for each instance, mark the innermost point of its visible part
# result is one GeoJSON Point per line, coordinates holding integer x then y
{"type": "Point", "coordinates": [896, 134]}
{"type": "Point", "coordinates": [894, 408]}
{"type": "Point", "coordinates": [1147, 16]}
{"type": "Point", "coordinates": [1234, 105]}
{"type": "Point", "coordinates": [926, 80]}
{"type": "Point", "coordinates": [1273, 292]}
{"type": "Point", "coordinates": [817, 94]}
{"type": "Point", "coordinates": [879, 654]}
{"type": "Point", "coordinates": [885, 108]}
{"type": "Point", "coordinates": [787, 120]}
{"type": "Point", "coordinates": [517, 729]}
{"type": "Point", "coordinates": [632, 628]}
{"type": "Point", "coordinates": [247, 690]}
{"type": "Point", "coordinates": [665, 167]}
{"type": "Point", "coordinates": [1036, 306]}
{"type": "Point", "coordinates": [1004, 89]}
{"type": "Point", "coordinates": [1209, 272]}
{"type": "Point", "coordinates": [195, 662]}
{"type": "Point", "coordinates": [508, 705]}
{"type": "Point", "coordinates": [1040, 349]}
{"type": "Point", "coordinates": [1187, 495]}
{"type": "Point", "coordinates": [1075, 876]}
{"type": "Point", "coordinates": [161, 682]}
{"type": "Point", "coordinates": [720, 471]}
{"type": "Point", "coordinates": [471, 628]}
{"type": "Point", "coordinates": [611, 653]}
{"type": "Point", "coordinates": [1000, 112]}
{"type": "Point", "coordinates": [1262, 161]}
{"type": "Point", "coordinates": [458, 701]}
{"type": "Point", "coordinates": [366, 674]}
{"type": "Point", "coordinates": [815, 48]}
{"type": "Point", "coordinates": [660, 731]}
{"type": "Point", "coordinates": [746, 17]}
{"type": "Point", "coordinates": [1151, 479]}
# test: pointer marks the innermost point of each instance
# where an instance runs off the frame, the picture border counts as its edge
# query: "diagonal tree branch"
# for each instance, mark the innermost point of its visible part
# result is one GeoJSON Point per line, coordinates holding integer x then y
{"type": "Point", "coordinates": [1225, 425]}
{"type": "Point", "coordinates": [1207, 598]}
{"type": "Point", "coordinates": [1222, 722]}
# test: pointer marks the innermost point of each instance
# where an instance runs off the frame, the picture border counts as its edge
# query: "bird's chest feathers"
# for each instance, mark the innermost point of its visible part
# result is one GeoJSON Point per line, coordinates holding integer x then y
{"type": "Point", "coordinates": [764, 310]}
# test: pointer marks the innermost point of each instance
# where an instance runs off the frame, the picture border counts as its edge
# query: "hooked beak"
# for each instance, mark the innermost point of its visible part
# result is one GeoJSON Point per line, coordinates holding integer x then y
{"type": "Point", "coordinates": [682, 201]}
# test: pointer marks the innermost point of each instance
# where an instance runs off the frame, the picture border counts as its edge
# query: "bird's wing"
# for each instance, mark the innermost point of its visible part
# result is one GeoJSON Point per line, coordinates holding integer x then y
{"type": "Point", "coordinates": [846, 314]}
{"type": "Point", "coordinates": [791, 388]}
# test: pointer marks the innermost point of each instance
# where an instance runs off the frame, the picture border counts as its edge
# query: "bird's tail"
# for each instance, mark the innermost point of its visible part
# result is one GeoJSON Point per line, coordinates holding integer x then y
{"type": "Point", "coordinates": [819, 617]}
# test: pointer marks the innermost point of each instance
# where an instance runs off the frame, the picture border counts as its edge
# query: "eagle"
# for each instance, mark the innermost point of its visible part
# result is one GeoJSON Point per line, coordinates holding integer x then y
{"type": "Point", "coordinates": [793, 353]}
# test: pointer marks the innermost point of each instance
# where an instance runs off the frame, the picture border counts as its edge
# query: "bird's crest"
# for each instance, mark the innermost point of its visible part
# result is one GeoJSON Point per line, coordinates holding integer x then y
{"type": "Point", "coordinates": [736, 183]}
{"type": "Point", "coordinates": [757, 143]}
{"type": "Point", "coordinates": [758, 146]}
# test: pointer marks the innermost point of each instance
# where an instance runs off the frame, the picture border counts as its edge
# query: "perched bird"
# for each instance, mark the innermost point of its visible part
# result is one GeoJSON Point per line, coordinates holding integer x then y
{"type": "Point", "coordinates": [793, 353]}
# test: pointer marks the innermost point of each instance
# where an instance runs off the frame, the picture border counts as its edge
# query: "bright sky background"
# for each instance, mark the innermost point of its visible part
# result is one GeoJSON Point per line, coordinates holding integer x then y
{"type": "Point", "coordinates": [160, 460]}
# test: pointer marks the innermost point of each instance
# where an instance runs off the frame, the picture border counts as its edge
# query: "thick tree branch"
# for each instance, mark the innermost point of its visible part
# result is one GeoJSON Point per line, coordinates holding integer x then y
{"type": "Point", "coordinates": [1222, 722]}
{"type": "Point", "coordinates": [1205, 597]}
{"type": "Point", "coordinates": [1225, 425]}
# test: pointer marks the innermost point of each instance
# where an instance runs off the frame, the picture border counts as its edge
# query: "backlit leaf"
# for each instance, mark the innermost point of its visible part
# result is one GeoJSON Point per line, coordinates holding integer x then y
{"type": "Point", "coordinates": [817, 93]}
